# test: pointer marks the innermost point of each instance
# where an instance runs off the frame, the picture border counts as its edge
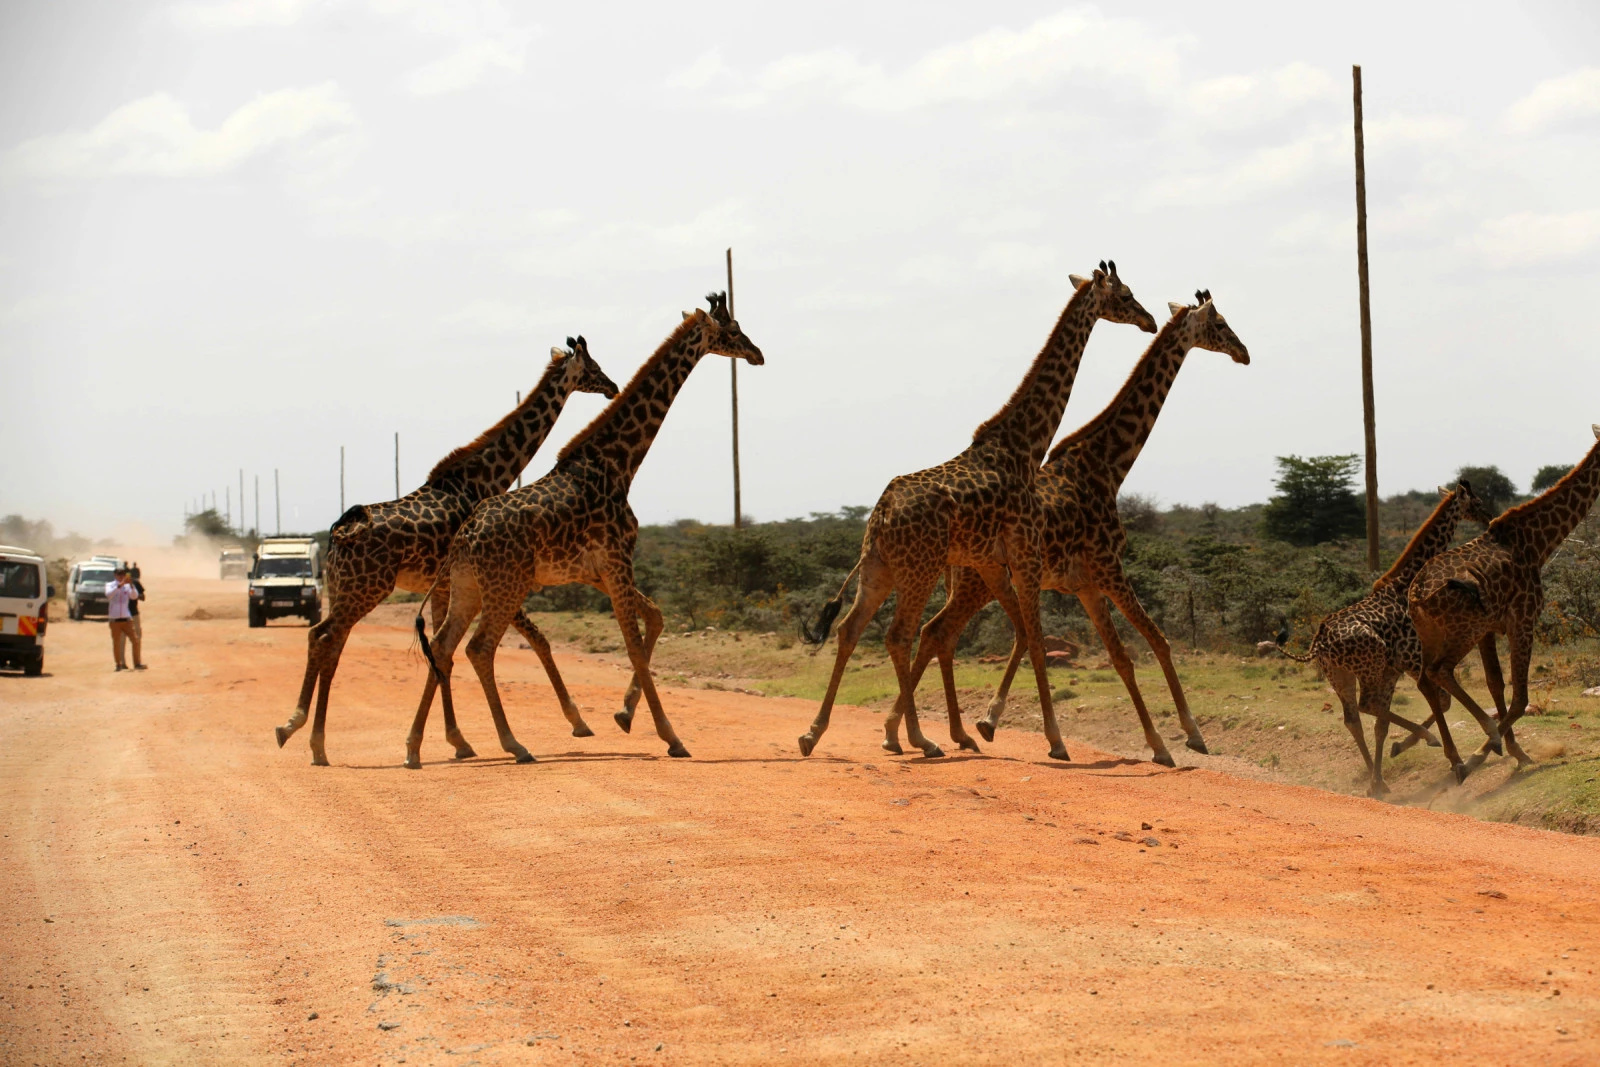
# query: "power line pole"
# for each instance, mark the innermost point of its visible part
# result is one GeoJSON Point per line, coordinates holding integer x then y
{"type": "Point", "coordinates": [341, 479]}
{"type": "Point", "coordinates": [241, 500]}
{"type": "Point", "coordinates": [227, 506]}
{"type": "Point", "coordinates": [258, 505]}
{"type": "Point", "coordinates": [519, 473]}
{"type": "Point", "coordinates": [733, 366]}
{"type": "Point", "coordinates": [277, 503]}
{"type": "Point", "coordinates": [1368, 414]}
{"type": "Point", "coordinates": [397, 464]}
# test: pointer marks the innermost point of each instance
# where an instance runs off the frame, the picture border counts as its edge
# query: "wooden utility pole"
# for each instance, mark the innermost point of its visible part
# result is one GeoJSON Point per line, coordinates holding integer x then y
{"type": "Point", "coordinates": [733, 364]}
{"type": "Point", "coordinates": [519, 472]}
{"type": "Point", "coordinates": [341, 479]}
{"type": "Point", "coordinates": [277, 504]}
{"type": "Point", "coordinates": [1369, 418]}
{"type": "Point", "coordinates": [241, 500]}
{"type": "Point", "coordinates": [397, 464]}
{"type": "Point", "coordinates": [258, 505]}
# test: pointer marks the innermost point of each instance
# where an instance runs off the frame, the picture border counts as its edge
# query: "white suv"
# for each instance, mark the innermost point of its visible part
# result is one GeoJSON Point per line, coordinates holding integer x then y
{"type": "Point", "coordinates": [24, 610]}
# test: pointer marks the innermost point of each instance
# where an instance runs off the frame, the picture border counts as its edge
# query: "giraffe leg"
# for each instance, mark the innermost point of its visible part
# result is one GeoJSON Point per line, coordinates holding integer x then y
{"type": "Point", "coordinates": [1100, 616]}
{"type": "Point", "coordinates": [652, 630]}
{"type": "Point", "coordinates": [1443, 684]}
{"type": "Point", "coordinates": [1346, 686]}
{"type": "Point", "coordinates": [1125, 600]}
{"type": "Point", "coordinates": [1420, 732]}
{"type": "Point", "coordinates": [464, 605]}
{"type": "Point", "coordinates": [440, 605]}
{"type": "Point", "coordinates": [1000, 588]}
{"type": "Point", "coordinates": [1446, 680]}
{"type": "Point", "coordinates": [967, 593]}
{"type": "Point", "coordinates": [1376, 694]}
{"type": "Point", "coordinates": [492, 625]}
{"type": "Point", "coordinates": [541, 647]}
{"type": "Point", "coordinates": [912, 597]}
{"type": "Point", "coordinates": [324, 645]}
{"type": "Point", "coordinates": [1024, 552]}
{"type": "Point", "coordinates": [330, 664]}
{"type": "Point", "coordinates": [875, 585]}
{"type": "Point", "coordinates": [1519, 642]}
{"type": "Point", "coordinates": [625, 604]}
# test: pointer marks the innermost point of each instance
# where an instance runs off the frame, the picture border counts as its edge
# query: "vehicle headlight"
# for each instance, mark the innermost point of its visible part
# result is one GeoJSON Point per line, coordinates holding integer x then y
{"type": "Point", "coordinates": [256, 591]}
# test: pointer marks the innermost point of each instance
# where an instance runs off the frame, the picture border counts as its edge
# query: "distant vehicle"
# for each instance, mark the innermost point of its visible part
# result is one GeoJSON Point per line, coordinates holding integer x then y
{"type": "Point", "coordinates": [86, 586]}
{"type": "Point", "coordinates": [24, 610]}
{"type": "Point", "coordinates": [234, 563]}
{"type": "Point", "coordinates": [286, 580]}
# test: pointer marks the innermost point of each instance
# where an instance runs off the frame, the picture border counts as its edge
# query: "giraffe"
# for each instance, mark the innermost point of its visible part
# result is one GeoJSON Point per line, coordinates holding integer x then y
{"type": "Point", "coordinates": [1491, 585]}
{"type": "Point", "coordinates": [1082, 533]}
{"type": "Point", "coordinates": [374, 548]}
{"type": "Point", "coordinates": [1363, 649]}
{"type": "Point", "coordinates": [572, 525]}
{"type": "Point", "coordinates": [978, 510]}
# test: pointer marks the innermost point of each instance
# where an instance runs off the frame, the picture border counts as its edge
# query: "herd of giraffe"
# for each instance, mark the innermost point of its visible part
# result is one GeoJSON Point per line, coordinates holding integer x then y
{"type": "Point", "coordinates": [1008, 517]}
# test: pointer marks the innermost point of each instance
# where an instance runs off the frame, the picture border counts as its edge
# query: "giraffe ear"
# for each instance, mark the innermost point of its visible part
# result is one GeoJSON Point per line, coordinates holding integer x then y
{"type": "Point", "coordinates": [687, 314]}
{"type": "Point", "coordinates": [1596, 428]}
{"type": "Point", "coordinates": [1445, 490]}
{"type": "Point", "coordinates": [1175, 308]}
{"type": "Point", "coordinates": [557, 354]}
{"type": "Point", "coordinates": [1078, 281]}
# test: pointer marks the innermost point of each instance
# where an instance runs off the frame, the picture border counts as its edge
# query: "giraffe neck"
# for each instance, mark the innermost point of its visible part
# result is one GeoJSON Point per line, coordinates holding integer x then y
{"type": "Point", "coordinates": [1117, 435]}
{"type": "Point", "coordinates": [1431, 538]}
{"type": "Point", "coordinates": [489, 465]}
{"type": "Point", "coordinates": [621, 435]}
{"type": "Point", "coordinates": [1537, 528]}
{"type": "Point", "coordinates": [1033, 414]}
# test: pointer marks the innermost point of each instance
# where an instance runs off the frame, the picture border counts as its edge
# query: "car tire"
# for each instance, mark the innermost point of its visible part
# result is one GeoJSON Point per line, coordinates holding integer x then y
{"type": "Point", "coordinates": [72, 613]}
{"type": "Point", "coordinates": [257, 617]}
{"type": "Point", "coordinates": [314, 616]}
{"type": "Point", "coordinates": [34, 667]}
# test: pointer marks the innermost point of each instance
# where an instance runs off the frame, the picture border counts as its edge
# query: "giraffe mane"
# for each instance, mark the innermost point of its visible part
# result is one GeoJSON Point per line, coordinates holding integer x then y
{"type": "Point", "coordinates": [645, 371]}
{"type": "Point", "coordinates": [1028, 379]}
{"type": "Point", "coordinates": [1098, 422]}
{"type": "Point", "coordinates": [1426, 527]}
{"type": "Point", "coordinates": [459, 458]}
{"type": "Point", "coordinates": [1511, 515]}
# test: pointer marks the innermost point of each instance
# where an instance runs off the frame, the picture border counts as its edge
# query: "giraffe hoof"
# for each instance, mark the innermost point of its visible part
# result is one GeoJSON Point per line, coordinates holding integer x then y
{"type": "Point", "coordinates": [807, 743]}
{"type": "Point", "coordinates": [524, 756]}
{"type": "Point", "coordinates": [413, 762]}
{"type": "Point", "coordinates": [319, 760]}
{"type": "Point", "coordinates": [969, 745]}
{"type": "Point", "coordinates": [986, 729]}
{"type": "Point", "coordinates": [582, 730]}
{"type": "Point", "coordinates": [892, 746]}
{"type": "Point", "coordinates": [1496, 745]}
{"type": "Point", "coordinates": [932, 751]}
{"type": "Point", "coordinates": [625, 721]}
{"type": "Point", "coordinates": [1164, 758]}
{"type": "Point", "coordinates": [1460, 770]}
{"type": "Point", "coordinates": [1060, 753]}
{"type": "Point", "coordinates": [677, 751]}
{"type": "Point", "coordinates": [1475, 760]}
{"type": "Point", "coordinates": [1395, 749]}
{"type": "Point", "coordinates": [1197, 744]}
{"type": "Point", "coordinates": [282, 735]}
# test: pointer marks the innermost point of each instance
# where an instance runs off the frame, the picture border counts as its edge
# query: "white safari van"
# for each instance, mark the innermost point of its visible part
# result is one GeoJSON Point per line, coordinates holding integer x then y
{"type": "Point", "coordinates": [286, 580]}
{"type": "Point", "coordinates": [24, 610]}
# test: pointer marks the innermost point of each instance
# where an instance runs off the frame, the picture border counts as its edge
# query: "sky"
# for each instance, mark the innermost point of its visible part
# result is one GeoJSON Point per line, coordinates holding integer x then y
{"type": "Point", "coordinates": [242, 234]}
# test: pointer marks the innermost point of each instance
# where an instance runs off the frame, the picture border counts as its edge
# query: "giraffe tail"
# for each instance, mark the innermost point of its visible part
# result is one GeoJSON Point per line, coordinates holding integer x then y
{"type": "Point", "coordinates": [818, 634]}
{"type": "Point", "coordinates": [1307, 658]}
{"type": "Point", "coordinates": [422, 627]}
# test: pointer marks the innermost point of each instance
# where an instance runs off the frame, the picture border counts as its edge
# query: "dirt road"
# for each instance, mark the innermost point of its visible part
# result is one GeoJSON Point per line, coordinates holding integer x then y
{"type": "Point", "coordinates": [179, 890]}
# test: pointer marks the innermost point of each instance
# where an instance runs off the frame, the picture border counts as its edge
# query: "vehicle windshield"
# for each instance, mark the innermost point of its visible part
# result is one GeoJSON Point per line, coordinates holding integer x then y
{"type": "Point", "coordinates": [284, 567]}
{"type": "Point", "coordinates": [19, 580]}
{"type": "Point", "coordinates": [95, 576]}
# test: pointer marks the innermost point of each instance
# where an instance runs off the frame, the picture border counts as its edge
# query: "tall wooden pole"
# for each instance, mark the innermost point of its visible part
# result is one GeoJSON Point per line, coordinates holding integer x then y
{"type": "Point", "coordinates": [277, 504]}
{"type": "Point", "coordinates": [341, 479]}
{"type": "Point", "coordinates": [258, 505]}
{"type": "Point", "coordinates": [1367, 410]}
{"type": "Point", "coordinates": [733, 364]}
{"type": "Point", "coordinates": [397, 464]}
{"type": "Point", "coordinates": [519, 404]}
{"type": "Point", "coordinates": [241, 500]}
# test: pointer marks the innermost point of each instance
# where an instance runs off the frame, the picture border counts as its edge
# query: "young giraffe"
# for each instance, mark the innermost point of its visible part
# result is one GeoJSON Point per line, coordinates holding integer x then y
{"type": "Point", "coordinates": [374, 548]}
{"type": "Point", "coordinates": [1362, 650]}
{"type": "Point", "coordinates": [1082, 534]}
{"type": "Point", "coordinates": [1492, 585]}
{"type": "Point", "coordinates": [572, 525]}
{"type": "Point", "coordinates": [978, 510]}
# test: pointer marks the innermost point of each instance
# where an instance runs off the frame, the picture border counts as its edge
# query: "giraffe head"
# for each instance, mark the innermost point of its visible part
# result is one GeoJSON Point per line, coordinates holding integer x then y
{"type": "Point", "coordinates": [583, 373]}
{"type": "Point", "coordinates": [1473, 506]}
{"type": "Point", "coordinates": [722, 334]}
{"type": "Point", "coordinates": [1113, 300]}
{"type": "Point", "coordinates": [1203, 326]}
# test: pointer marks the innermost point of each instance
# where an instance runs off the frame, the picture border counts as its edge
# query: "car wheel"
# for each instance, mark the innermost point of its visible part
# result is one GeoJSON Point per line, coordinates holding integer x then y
{"type": "Point", "coordinates": [257, 618]}
{"type": "Point", "coordinates": [314, 616]}
{"type": "Point", "coordinates": [34, 667]}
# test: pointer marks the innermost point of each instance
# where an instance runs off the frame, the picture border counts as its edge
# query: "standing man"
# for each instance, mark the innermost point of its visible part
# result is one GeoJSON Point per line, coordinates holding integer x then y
{"type": "Point", "coordinates": [118, 596]}
{"type": "Point", "coordinates": [133, 610]}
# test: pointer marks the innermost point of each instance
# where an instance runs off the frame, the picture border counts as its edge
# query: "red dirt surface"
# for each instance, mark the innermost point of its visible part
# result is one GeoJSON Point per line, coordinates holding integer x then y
{"type": "Point", "coordinates": [177, 889]}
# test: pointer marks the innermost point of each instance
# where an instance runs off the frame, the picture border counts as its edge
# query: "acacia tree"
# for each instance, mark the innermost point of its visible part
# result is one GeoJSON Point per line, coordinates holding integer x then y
{"type": "Point", "coordinates": [1548, 475]}
{"type": "Point", "coordinates": [1490, 485]}
{"type": "Point", "coordinates": [1316, 501]}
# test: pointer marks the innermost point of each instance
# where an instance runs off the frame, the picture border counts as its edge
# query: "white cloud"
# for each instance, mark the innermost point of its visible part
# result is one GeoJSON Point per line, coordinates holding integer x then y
{"type": "Point", "coordinates": [1527, 239]}
{"type": "Point", "coordinates": [1556, 102]}
{"type": "Point", "coordinates": [997, 64]}
{"type": "Point", "coordinates": [155, 136]}
{"type": "Point", "coordinates": [467, 66]}
{"type": "Point", "coordinates": [241, 14]}
{"type": "Point", "coordinates": [487, 41]}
